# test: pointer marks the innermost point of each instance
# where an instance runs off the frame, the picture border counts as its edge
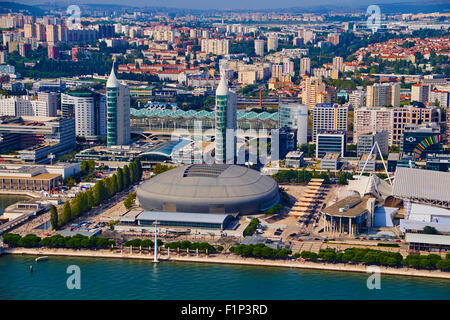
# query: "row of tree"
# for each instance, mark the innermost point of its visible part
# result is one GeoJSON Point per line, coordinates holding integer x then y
{"type": "Point", "coordinates": [104, 189]}
{"type": "Point", "coordinates": [57, 241]}
{"type": "Point", "coordinates": [145, 243]}
{"type": "Point", "coordinates": [300, 176]}
{"type": "Point", "coordinates": [260, 250]}
{"type": "Point", "coordinates": [185, 244]}
{"type": "Point", "coordinates": [377, 257]}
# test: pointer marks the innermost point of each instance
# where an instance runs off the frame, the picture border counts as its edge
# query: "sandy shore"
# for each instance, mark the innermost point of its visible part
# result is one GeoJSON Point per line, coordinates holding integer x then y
{"type": "Point", "coordinates": [227, 259]}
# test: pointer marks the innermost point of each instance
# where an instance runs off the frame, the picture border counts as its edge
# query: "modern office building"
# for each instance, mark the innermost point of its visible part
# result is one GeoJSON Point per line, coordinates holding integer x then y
{"type": "Point", "coordinates": [118, 111]}
{"type": "Point", "coordinates": [37, 137]}
{"type": "Point", "coordinates": [330, 161]}
{"type": "Point", "coordinates": [414, 114]}
{"type": "Point", "coordinates": [89, 110]}
{"type": "Point", "coordinates": [294, 116]}
{"type": "Point", "coordinates": [420, 140]}
{"type": "Point", "coordinates": [329, 116]}
{"type": "Point", "coordinates": [225, 122]}
{"type": "Point", "coordinates": [330, 142]}
{"type": "Point", "coordinates": [294, 159]}
{"type": "Point", "coordinates": [365, 143]}
{"type": "Point", "coordinates": [217, 188]}
{"type": "Point", "coordinates": [43, 106]}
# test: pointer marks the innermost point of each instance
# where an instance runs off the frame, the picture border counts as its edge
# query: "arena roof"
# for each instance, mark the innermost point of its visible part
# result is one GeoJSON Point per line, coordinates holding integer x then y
{"type": "Point", "coordinates": [421, 184]}
{"type": "Point", "coordinates": [217, 188]}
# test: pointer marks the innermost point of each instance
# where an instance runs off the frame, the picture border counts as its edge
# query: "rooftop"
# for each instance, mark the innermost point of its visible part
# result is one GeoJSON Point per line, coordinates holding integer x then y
{"type": "Point", "coordinates": [423, 184]}
{"type": "Point", "coordinates": [183, 217]}
{"type": "Point", "coordinates": [427, 238]}
{"type": "Point", "coordinates": [353, 206]}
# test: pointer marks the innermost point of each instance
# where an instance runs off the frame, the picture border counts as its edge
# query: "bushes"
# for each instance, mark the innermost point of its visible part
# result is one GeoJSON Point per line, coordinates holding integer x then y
{"type": "Point", "coordinates": [251, 227]}
{"type": "Point", "coordinates": [260, 250]}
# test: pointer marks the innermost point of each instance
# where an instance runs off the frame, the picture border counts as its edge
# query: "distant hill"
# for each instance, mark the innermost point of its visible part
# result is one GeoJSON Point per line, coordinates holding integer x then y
{"type": "Point", "coordinates": [6, 7]}
{"type": "Point", "coordinates": [416, 7]}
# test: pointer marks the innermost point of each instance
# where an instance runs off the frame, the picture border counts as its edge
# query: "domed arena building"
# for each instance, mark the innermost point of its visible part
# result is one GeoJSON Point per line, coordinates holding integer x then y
{"type": "Point", "coordinates": [216, 188]}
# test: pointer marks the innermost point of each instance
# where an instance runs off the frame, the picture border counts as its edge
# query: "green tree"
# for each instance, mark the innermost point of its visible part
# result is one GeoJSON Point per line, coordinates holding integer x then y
{"type": "Point", "coordinates": [75, 208]}
{"type": "Point", "coordinates": [66, 214]}
{"type": "Point", "coordinates": [99, 192]}
{"type": "Point", "coordinates": [120, 179]}
{"type": "Point", "coordinates": [53, 217]}
{"type": "Point", "coordinates": [126, 176]}
{"type": "Point", "coordinates": [129, 201]}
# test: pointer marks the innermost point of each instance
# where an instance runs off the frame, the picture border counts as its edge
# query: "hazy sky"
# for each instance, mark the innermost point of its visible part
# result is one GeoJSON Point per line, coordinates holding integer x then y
{"type": "Point", "coordinates": [223, 4]}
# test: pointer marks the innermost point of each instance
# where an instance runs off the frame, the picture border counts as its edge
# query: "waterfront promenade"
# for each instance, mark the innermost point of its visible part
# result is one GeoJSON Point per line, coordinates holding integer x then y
{"type": "Point", "coordinates": [225, 259]}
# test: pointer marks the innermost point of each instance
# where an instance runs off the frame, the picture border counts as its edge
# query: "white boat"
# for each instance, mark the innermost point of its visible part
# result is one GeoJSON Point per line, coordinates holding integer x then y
{"type": "Point", "coordinates": [43, 258]}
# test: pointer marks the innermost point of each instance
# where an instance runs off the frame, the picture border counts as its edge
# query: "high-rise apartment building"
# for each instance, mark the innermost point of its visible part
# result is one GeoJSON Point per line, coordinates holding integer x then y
{"type": "Point", "coordinates": [338, 64]}
{"type": "Point", "coordinates": [385, 94]}
{"type": "Point", "coordinates": [29, 30]}
{"type": "Point", "coordinates": [51, 32]}
{"type": "Point", "coordinates": [40, 32]}
{"type": "Point", "coordinates": [272, 43]}
{"type": "Point", "coordinates": [440, 98]}
{"type": "Point", "coordinates": [305, 66]}
{"type": "Point", "coordinates": [367, 120]}
{"type": "Point", "coordinates": [419, 92]}
{"type": "Point", "coordinates": [328, 116]}
{"type": "Point", "coordinates": [216, 46]}
{"type": "Point", "coordinates": [316, 91]}
{"type": "Point", "coordinates": [357, 98]}
{"type": "Point", "coordinates": [259, 47]}
{"type": "Point", "coordinates": [53, 52]}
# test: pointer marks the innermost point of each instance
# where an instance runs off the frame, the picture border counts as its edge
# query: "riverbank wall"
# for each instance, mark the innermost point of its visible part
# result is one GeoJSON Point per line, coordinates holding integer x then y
{"type": "Point", "coordinates": [228, 259]}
